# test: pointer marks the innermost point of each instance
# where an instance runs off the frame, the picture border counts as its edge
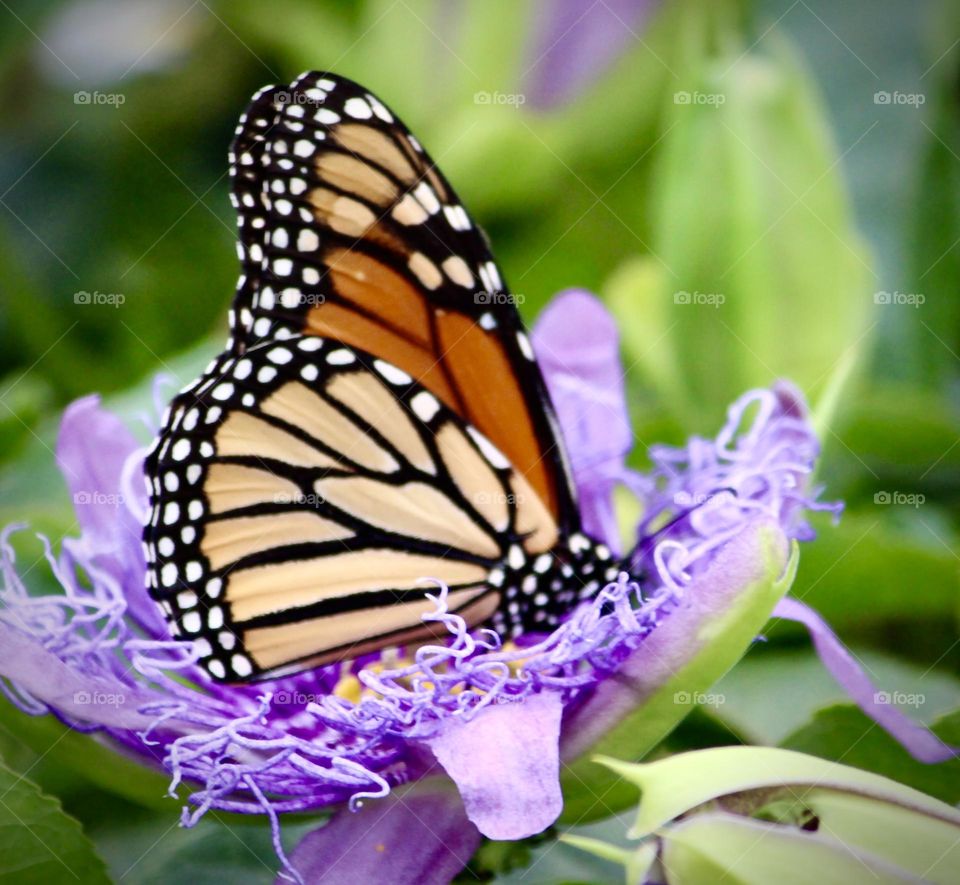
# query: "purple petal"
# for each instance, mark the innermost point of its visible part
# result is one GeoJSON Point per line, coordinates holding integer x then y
{"type": "Point", "coordinates": [574, 43]}
{"type": "Point", "coordinates": [505, 762]}
{"type": "Point", "coordinates": [918, 741]}
{"type": "Point", "coordinates": [92, 448]}
{"type": "Point", "coordinates": [97, 456]}
{"type": "Point", "coordinates": [678, 638]}
{"type": "Point", "coordinates": [577, 346]}
{"type": "Point", "coordinates": [94, 700]}
{"type": "Point", "coordinates": [404, 840]}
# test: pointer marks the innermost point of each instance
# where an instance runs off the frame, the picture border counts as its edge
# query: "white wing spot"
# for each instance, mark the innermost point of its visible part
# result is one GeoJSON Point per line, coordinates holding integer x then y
{"type": "Point", "coordinates": [425, 405]}
{"type": "Point", "coordinates": [488, 449]}
{"type": "Point", "coordinates": [427, 197]}
{"type": "Point", "coordinates": [425, 270]}
{"type": "Point", "coordinates": [458, 271]}
{"type": "Point", "coordinates": [181, 448]}
{"type": "Point", "coordinates": [290, 298]}
{"type": "Point", "coordinates": [392, 373]}
{"type": "Point", "coordinates": [379, 109]}
{"type": "Point", "coordinates": [340, 357]}
{"type": "Point", "coordinates": [358, 109]}
{"type": "Point", "coordinates": [525, 347]}
{"type": "Point", "coordinates": [223, 391]}
{"type": "Point", "coordinates": [304, 148]}
{"type": "Point", "coordinates": [308, 241]}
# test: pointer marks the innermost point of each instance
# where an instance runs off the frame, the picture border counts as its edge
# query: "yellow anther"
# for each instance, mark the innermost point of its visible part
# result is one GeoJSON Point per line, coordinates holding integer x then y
{"type": "Point", "coordinates": [349, 688]}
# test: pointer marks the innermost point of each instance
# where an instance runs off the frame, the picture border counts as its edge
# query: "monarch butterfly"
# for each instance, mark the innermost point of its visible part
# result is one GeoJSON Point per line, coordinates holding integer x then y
{"type": "Point", "coordinates": [378, 416]}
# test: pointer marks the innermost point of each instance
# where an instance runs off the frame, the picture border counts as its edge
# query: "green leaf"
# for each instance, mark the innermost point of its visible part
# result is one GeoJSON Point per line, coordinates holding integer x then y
{"type": "Point", "coordinates": [148, 848]}
{"type": "Point", "coordinates": [39, 843]}
{"type": "Point", "coordinates": [638, 862]}
{"type": "Point", "coordinates": [711, 848]}
{"type": "Point", "coordinates": [565, 861]}
{"type": "Point", "coordinates": [589, 792]}
{"type": "Point", "coordinates": [673, 786]}
{"type": "Point", "coordinates": [774, 691]}
{"type": "Point", "coordinates": [708, 810]}
{"type": "Point", "coordinates": [844, 733]}
{"type": "Point", "coordinates": [858, 573]}
{"type": "Point", "coordinates": [70, 759]}
{"type": "Point", "coordinates": [744, 303]}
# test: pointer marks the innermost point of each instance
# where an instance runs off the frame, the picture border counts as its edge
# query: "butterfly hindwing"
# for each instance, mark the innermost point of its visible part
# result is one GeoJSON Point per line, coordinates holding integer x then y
{"type": "Point", "coordinates": [365, 241]}
{"type": "Point", "coordinates": [303, 490]}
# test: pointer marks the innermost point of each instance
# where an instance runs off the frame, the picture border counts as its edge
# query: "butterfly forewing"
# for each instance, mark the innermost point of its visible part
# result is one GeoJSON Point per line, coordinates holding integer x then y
{"type": "Point", "coordinates": [367, 242]}
{"type": "Point", "coordinates": [246, 195]}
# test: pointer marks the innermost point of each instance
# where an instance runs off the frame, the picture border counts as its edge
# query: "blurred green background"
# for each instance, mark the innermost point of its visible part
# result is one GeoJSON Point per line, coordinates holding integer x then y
{"type": "Point", "coordinates": [758, 190]}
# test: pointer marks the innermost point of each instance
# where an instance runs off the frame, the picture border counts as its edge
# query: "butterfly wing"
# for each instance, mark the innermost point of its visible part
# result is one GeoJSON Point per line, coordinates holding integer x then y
{"type": "Point", "coordinates": [354, 234]}
{"type": "Point", "coordinates": [302, 490]}
{"type": "Point", "coordinates": [246, 164]}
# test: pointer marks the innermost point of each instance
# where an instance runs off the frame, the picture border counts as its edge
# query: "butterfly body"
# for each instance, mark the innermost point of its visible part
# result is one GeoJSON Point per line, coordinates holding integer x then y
{"type": "Point", "coordinates": [377, 419]}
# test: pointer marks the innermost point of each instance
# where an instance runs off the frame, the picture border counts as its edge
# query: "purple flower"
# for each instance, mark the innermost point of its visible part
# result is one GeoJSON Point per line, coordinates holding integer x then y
{"type": "Point", "coordinates": [491, 718]}
{"type": "Point", "coordinates": [574, 42]}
